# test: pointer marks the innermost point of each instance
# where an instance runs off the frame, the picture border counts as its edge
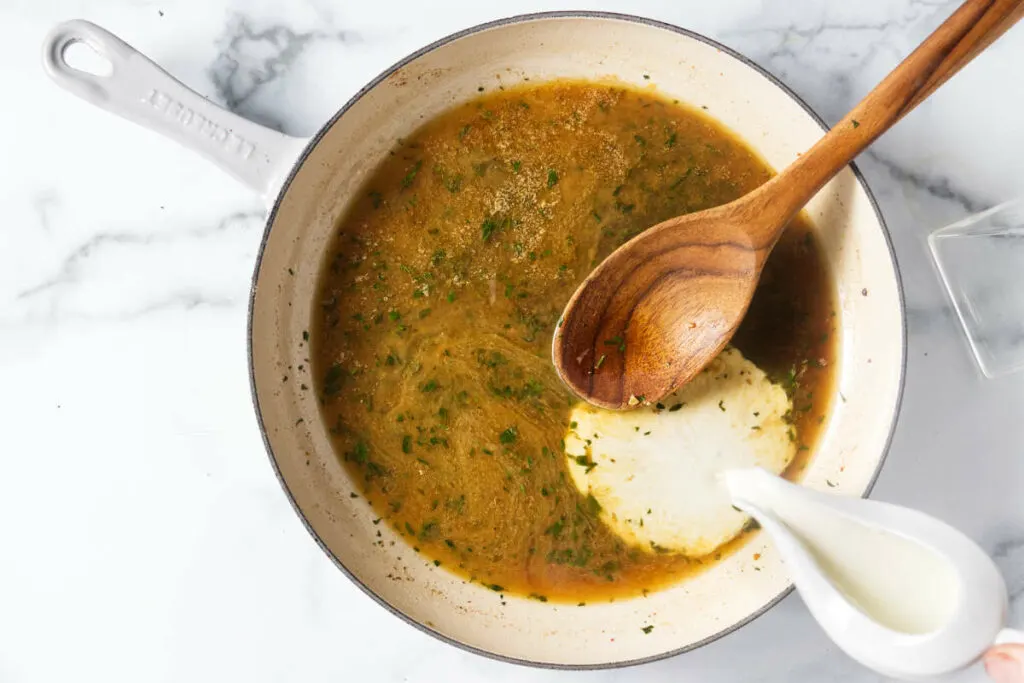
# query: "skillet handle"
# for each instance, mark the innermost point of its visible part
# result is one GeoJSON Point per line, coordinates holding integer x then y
{"type": "Point", "coordinates": [140, 91]}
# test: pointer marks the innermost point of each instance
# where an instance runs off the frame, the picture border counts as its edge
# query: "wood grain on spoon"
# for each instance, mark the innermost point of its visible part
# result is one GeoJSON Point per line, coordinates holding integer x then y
{"type": "Point", "coordinates": [659, 308]}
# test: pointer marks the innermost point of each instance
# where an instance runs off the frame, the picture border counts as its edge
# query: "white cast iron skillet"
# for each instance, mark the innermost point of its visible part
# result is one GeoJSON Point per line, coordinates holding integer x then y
{"type": "Point", "coordinates": [310, 183]}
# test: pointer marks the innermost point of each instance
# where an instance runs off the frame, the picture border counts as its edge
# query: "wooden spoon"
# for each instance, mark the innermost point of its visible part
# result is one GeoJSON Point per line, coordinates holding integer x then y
{"type": "Point", "coordinates": [663, 305]}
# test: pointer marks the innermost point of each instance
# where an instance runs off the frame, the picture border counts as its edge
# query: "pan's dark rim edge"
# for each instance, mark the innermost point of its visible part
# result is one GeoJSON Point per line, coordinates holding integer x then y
{"type": "Point", "coordinates": [314, 141]}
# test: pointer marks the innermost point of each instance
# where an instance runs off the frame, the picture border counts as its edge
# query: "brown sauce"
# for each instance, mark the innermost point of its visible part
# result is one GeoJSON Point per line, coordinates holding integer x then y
{"type": "Point", "coordinates": [439, 298]}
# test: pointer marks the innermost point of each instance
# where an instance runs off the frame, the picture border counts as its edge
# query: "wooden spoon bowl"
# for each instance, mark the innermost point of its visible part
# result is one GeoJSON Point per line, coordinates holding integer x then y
{"type": "Point", "coordinates": [651, 316]}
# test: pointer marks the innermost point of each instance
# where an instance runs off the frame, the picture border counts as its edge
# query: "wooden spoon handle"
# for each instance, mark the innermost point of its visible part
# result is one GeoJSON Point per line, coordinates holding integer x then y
{"type": "Point", "coordinates": [968, 31]}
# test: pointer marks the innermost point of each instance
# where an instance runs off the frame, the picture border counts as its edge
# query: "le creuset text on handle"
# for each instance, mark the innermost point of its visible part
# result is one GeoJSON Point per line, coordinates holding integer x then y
{"type": "Point", "coordinates": [137, 89]}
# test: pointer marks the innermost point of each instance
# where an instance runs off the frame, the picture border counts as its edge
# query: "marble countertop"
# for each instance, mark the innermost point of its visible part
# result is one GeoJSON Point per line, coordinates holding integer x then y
{"type": "Point", "coordinates": [143, 536]}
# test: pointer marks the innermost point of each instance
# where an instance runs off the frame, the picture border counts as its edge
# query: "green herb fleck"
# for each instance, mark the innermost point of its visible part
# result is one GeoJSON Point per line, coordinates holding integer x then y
{"type": "Point", "coordinates": [585, 462]}
{"type": "Point", "coordinates": [555, 530]}
{"type": "Point", "coordinates": [618, 342]}
{"type": "Point", "coordinates": [490, 225]}
{"type": "Point", "coordinates": [647, 629]}
{"type": "Point", "coordinates": [789, 383]}
{"type": "Point", "coordinates": [680, 179]}
{"type": "Point", "coordinates": [334, 378]}
{"type": "Point", "coordinates": [430, 386]}
{"type": "Point", "coordinates": [509, 436]}
{"type": "Point", "coordinates": [552, 178]}
{"type": "Point", "coordinates": [360, 453]}
{"type": "Point", "coordinates": [856, 123]}
{"type": "Point", "coordinates": [407, 444]}
{"type": "Point", "coordinates": [516, 165]}
{"type": "Point", "coordinates": [429, 530]}
{"type": "Point", "coordinates": [410, 175]}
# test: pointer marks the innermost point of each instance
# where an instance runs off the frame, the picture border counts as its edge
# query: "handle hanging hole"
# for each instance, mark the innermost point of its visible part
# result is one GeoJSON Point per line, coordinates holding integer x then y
{"type": "Point", "coordinates": [81, 56]}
